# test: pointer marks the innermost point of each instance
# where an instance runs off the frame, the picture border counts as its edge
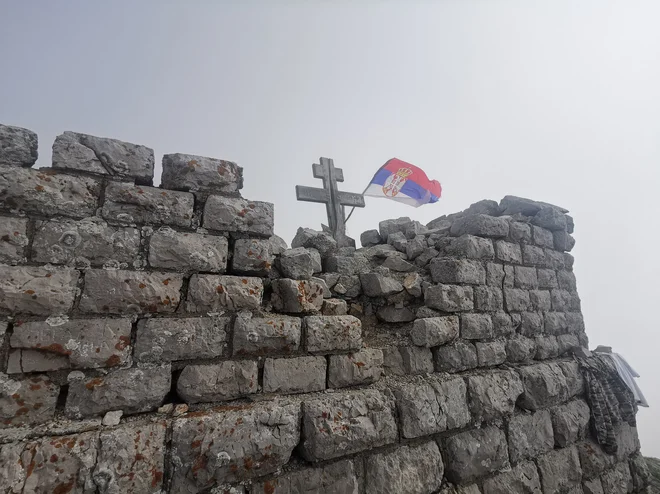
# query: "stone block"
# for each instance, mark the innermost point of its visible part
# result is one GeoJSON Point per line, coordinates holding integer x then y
{"type": "Point", "coordinates": [618, 480]}
{"type": "Point", "coordinates": [415, 360]}
{"type": "Point", "coordinates": [520, 349]}
{"type": "Point", "coordinates": [525, 277]}
{"type": "Point", "coordinates": [370, 238]}
{"type": "Point", "coordinates": [128, 203]}
{"type": "Point", "coordinates": [272, 335]}
{"type": "Point", "coordinates": [334, 307]}
{"type": "Point", "coordinates": [18, 146]}
{"type": "Point", "coordinates": [321, 241]}
{"type": "Point", "coordinates": [523, 479]}
{"type": "Point", "coordinates": [456, 357]}
{"type": "Point", "coordinates": [200, 174]}
{"type": "Point", "coordinates": [575, 322]}
{"type": "Point", "coordinates": [363, 367]}
{"type": "Point", "coordinates": [508, 252]}
{"type": "Point", "coordinates": [540, 300]}
{"type": "Point", "coordinates": [415, 469]}
{"type": "Point", "coordinates": [130, 292]}
{"type": "Point", "coordinates": [490, 353]}
{"type": "Point", "coordinates": [434, 331]}
{"type": "Point", "coordinates": [574, 378]}
{"type": "Point", "coordinates": [236, 444]}
{"type": "Point", "coordinates": [530, 436]}
{"type": "Point", "coordinates": [392, 314]}
{"type": "Point", "coordinates": [627, 439]}
{"type": "Point", "coordinates": [233, 214]}
{"type": "Point", "coordinates": [476, 453]}
{"type": "Point", "coordinates": [471, 247]}
{"type": "Point", "coordinates": [129, 390]}
{"type": "Point", "coordinates": [481, 225]}
{"type": "Point", "coordinates": [567, 343]}
{"type": "Point", "coordinates": [252, 256]}
{"type": "Point", "coordinates": [393, 363]}
{"type": "Point", "coordinates": [377, 285]}
{"type": "Point", "coordinates": [563, 241]}
{"type": "Point", "coordinates": [431, 406]}
{"type": "Point", "coordinates": [547, 278]}
{"type": "Point", "coordinates": [81, 343]}
{"type": "Point", "coordinates": [560, 469]}
{"type": "Point", "coordinates": [335, 478]}
{"type": "Point", "coordinates": [415, 247]}
{"type": "Point", "coordinates": [476, 326]}
{"type": "Point", "coordinates": [592, 487]}
{"type": "Point", "coordinates": [167, 340]}
{"type": "Point", "coordinates": [488, 298]}
{"type": "Point", "coordinates": [297, 296]}
{"type": "Point", "coordinates": [89, 242]}
{"type": "Point", "coordinates": [567, 280]}
{"type": "Point", "coordinates": [45, 192]}
{"type": "Point", "coordinates": [457, 271]}
{"type": "Point", "coordinates": [555, 323]}
{"type": "Point", "coordinates": [218, 382]}
{"type": "Point", "coordinates": [570, 422]}
{"type": "Point", "coordinates": [395, 263]}
{"type": "Point", "coordinates": [520, 232]}
{"type": "Point", "coordinates": [211, 293]}
{"type": "Point", "coordinates": [426, 257]}
{"type": "Point", "coordinates": [449, 298]}
{"type": "Point", "coordinates": [187, 252]}
{"type": "Point", "coordinates": [550, 218]}
{"type": "Point", "coordinates": [399, 241]}
{"type": "Point", "coordinates": [345, 423]}
{"type": "Point", "coordinates": [544, 385]}
{"type": "Point", "coordinates": [516, 299]}
{"type": "Point", "coordinates": [531, 254]}
{"type": "Point", "coordinates": [554, 259]}
{"type": "Point", "coordinates": [387, 227]}
{"type": "Point", "coordinates": [299, 263]}
{"type": "Point", "coordinates": [295, 375]}
{"type": "Point", "coordinates": [325, 334]}
{"type": "Point", "coordinates": [13, 239]}
{"type": "Point", "coordinates": [639, 470]}
{"type": "Point", "coordinates": [37, 290]}
{"type": "Point", "coordinates": [498, 275]}
{"type": "Point", "coordinates": [561, 300]}
{"type": "Point", "coordinates": [532, 324]}
{"type": "Point", "coordinates": [511, 205]}
{"type": "Point", "coordinates": [27, 401]}
{"type": "Point", "coordinates": [593, 459]}
{"type": "Point", "coordinates": [505, 324]}
{"type": "Point", "coordinates": [542, 237]}
{"type": "Point", "coordinates": [103, 156]}
{"type": "Point", "coordinates": [493, 395]}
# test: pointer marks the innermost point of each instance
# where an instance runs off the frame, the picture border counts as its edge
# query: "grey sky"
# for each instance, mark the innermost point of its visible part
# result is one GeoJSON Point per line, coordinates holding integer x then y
{"type": "Point", "coordinates": [553, 100]}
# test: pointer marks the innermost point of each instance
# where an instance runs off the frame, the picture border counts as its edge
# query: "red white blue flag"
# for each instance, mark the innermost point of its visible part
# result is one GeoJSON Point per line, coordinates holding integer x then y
{"type": "Point", "coordinates": [403, 182]}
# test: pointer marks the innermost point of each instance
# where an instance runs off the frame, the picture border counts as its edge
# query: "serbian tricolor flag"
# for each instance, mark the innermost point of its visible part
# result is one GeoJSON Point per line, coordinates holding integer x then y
{"type": "Point", "coordinates": [403, 182]}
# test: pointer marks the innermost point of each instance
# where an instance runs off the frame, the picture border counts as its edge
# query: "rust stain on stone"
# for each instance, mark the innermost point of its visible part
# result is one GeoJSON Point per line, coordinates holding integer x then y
{"type": "Point", "coordinates": [97, 381]}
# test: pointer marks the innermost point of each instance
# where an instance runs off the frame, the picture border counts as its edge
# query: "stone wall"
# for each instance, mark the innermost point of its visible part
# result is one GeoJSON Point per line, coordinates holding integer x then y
{"type": "Point", "coordinates": [164, 340]}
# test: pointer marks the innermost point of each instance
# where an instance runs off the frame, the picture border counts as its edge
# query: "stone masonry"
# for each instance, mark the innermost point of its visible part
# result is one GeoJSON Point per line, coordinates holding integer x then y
{"type": "Point", "coordinates": [163, 339]}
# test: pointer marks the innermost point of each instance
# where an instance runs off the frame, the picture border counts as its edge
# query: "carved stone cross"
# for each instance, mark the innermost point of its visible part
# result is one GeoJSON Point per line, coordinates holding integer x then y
{"type": "Point", "coordinates": [333, 199]}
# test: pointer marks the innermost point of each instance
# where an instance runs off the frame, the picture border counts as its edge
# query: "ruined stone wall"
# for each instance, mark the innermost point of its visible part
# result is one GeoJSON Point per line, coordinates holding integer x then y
{"type": "Point", "coordinates": [164, 340]}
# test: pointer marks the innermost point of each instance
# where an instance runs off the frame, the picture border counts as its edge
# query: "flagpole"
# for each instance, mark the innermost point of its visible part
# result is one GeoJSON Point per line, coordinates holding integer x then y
{"type": "Point", "coordinates": [365, 189]}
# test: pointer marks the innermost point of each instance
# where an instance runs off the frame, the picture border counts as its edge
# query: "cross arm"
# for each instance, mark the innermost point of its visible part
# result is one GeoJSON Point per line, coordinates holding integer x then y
{"type": "Point", "coordinates": [351, 199]}
{"type": "Point", "coordinates": [312, 194]}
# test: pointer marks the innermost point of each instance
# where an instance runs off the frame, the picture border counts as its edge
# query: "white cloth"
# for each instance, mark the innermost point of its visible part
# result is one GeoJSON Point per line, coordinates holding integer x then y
{"type": "Point", "coordinates": [628, 375]}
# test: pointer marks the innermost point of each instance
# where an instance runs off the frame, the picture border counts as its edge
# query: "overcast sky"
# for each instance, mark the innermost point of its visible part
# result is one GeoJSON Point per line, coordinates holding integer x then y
{"type": "Point", "coordinates": [553, 100]}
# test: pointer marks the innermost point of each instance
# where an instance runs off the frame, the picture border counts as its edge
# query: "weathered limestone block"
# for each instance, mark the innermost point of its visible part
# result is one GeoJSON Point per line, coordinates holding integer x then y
{"type": "Point", "coordinates": [90, 241]}
{"type": "Point", "coordinates": [299, 263]}
{"type": "Point", "coordinates": [511, 205]}
{"type": "Point", "coordinates": [170, 249]}
{"type": "Point", "coordinates": [252, 256]}
{"type": "Point", "coordinates": [377, 285]}
{"type": "Point", "coordinates": [567, 343]}
{"type": "Point", "coordinates": [550, 218]}
{"type": "Point", "coordinates": [128, 203]}
{"type": "Point", "coordinates": [415, 247]}
{"type": "Point", "coordinates": [130, 390]}
{"type": "Point", "coordinates": [410, 469]}
{"type": "Point", "coordinates": [321, 241]}
{"type": "Point", "coordinates": [516, 300]}
{"type": "Point", "coordinates": [491, 353]}
{"type": "Point", "coordinates": [554, 259]}
{"type": "Point", "coordinates": [34, 361]}
{"type": "Point", "coordinates": [476, 326]}
{"type": "Point", "coordinates": [348, 286]}
{"type": "Point", "coordinates": [131, 459]}
{"type": "Point", "coordinates": [243, 442]}
{"type": "Point", "coordinates": [567, 280]}
{"type": "Point", "coordinates": [531, 324]}
{"type": "Point", "coordinates": [345, 423]}
{"type": "Point", "coordinates": [415, 360]}
{"type": "Point", "coordinates": [575, 322]}
{"type": "Point", "coordinates": [627, 440]}
{"type": "Point", "coordinates": [520, 349]}
{"type": "Point", "coordinates": [560, 469]}
{"type": "Point", "coordinates": [125, 292]}
{"type": "Point", "coordinates": [457, 271]}
{"type": "Point", "coordinates": [547, 278]}
{"type": "Point", "coordinates": [493, 395]}
{"type": "Point", "coordinates": [592, 487]}
{"type": "Point", "coordinates": [80, 344]}
{"type": "Point", "coordinates": [544, 385]}
{"type": "Point", "coordinates": [505, 324]}
{"type": "Point", "coordinates": [508, 252]}
{"type": "Point", "coordinates": [335, 478]}
{"type": "Point", "coordinates": [295, 375]}
{"type": "Point", "coordinates": [432, 405]}
{"type": "Point", "coordinates": [395, 263]}
{"type": "Point", "coordinates": [48, 193]}
{"type": "Point", "coordinates": [363, 367]}
{"type": "Point", "coordinates": [297, 296]}
{"type": "Point", "coordinates": [476, 453]}
{"type": "Point", "coordinates": [18, 146]}
{"type": "Point", "coordinates": [525, 277]}
{"type": "Point", "coordinates": [13, 239]}
{"type": "Point", "coordinates": [426, 257]}
{"type": "Point", "coordinates": [523, 479]}
{"type": "Point", "coordinates": [388, 227]}
{"type": "Point", "coordinates": [394, 314]}
{"type": "Point", "coordinates": [555, 323]}
{"type": "Point", "coordinates": [218, 382]}
{"type": "Point", "coordinates": [471, 247]}
{"type": "Point", "coordinates": [531, 254]}
{"type": "Point", "coordinates": [456, 357]}
{"type": "Point", "coordinates": [210, 293]}
{"type": "Point", "coordinates": [104, 156]}
{"type": "Point", "coordinates": [617, 480]}
{"type": "Point", "coordinates": [520, 232]}
{"type": "Point", "coordinates": [540, 300]}
{"type": "Point", "coordinates": [482, 225]}
{"type": "Point", "coordinates": [200, 174]}
{"type": "Point", "coordinates": [574, 378]}
{"type": "Point", "coordinates": [167, 340]}
{"type": "Point", "coordinates": [434, 331]}
{"type": "Point", "coordinates": [37, 290]}
{"type": "Point", "coordinates": [351, 264]}
{"type": "Point", "coordinates": [530, 435]}
{"type": "Point", "coordinates": [640, 472]}
{"type": "Point", "coordinates": [542, 237]}
{"type": "Point", "coordinates": [499, 275]}
{"type": "Point", "coordinates": [488, 298]}
{"type": "Point", "coordinates": [593, 459]}
{"type": "Point", "coordinates": [370, 238]}
{"type": "Point", "coordinates": [12, 471]}
{"type": "Point", "coordinates": [233, 214]}
{"type": "Point", "coordinates": [271, 335]}
{"type": "Point", "coordinates": [27, 401]}
{"type": "Point", "coordinates": [570, 422]}
{"type": "Point", "coordinates": [334, 307]}
{"type": "Point", "coordinates": [449, 298]}
{"type": "Point", "coordinates": [325, 334]}
{"type": "Point", "coordinates": [563, 241]}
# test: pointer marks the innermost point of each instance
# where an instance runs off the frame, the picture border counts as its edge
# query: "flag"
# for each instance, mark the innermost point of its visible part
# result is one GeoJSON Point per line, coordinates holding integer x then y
{"type": "Point", "coordinates": [403, 182]}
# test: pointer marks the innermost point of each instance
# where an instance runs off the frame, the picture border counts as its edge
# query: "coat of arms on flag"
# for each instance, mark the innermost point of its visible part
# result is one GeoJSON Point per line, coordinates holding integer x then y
{"type": "Point", "coordinates": [403, 182]}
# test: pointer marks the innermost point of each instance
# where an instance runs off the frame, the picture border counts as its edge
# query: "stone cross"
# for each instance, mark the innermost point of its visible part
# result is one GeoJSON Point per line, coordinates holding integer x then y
{"type": "Point", "coordinates": [329, 195]}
